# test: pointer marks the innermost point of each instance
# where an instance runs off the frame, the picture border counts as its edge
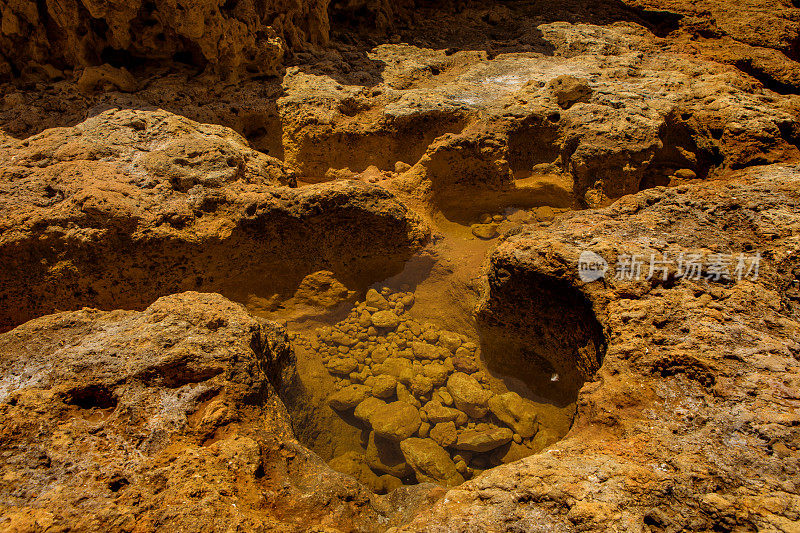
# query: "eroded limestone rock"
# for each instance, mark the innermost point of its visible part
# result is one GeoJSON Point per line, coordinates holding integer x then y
{"type": "Point", "coordinates": [395, 421]}
{"type": "Point", "coordinates": [430, 461]}
{"type": "Point", "coordinates": [468, 394]}
{"type": "Point", "coordinates": [515, 411]}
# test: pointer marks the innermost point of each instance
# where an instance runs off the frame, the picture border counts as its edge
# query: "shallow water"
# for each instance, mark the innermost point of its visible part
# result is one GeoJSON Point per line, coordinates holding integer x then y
{"type": "Point", "coordinates": [445, 281]}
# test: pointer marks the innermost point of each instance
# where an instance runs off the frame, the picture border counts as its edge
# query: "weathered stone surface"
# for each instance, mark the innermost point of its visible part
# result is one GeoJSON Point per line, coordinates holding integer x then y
{"type": "Point", "coordinates": [475, 440]}
{"type": "Point", "coordinates": [515, 411]}
{"type": "Point", "coordinates": [385, 320]}
{"type": "Point", "coordinates": [444, 433]}
{"type": "Point", "coordinates": [430, 461]}
{"type": "Point", "coordinates": [157, 406]}
{"type": "Point", "coordinates": [321, 289]}
{"type": "Point", "coordinates": [569, 90]}
{"type": "Point", "coordinates": [449, 340]}
{"type": "Point", "coordinates": [395, 421]}
{"type": "Point", "coordinates": [376, 300]}
{"type": "Point", "coordinates": [348, 397]}
{"type": "Point", "coordinates": [465, 363]}
{"type": "Point", "coordinates": [342, 365]}
{"type": "Point", "coordinates": [437, 373]}
{"type": "Point", "coordinates": [683, 387]}
{"type": "Point", "coordinates": [166, 202]}
{"type": "Point", "coordinates": [437, 413]}
{"type": "Point", "coordinates": [678, 353]}
{"type": "Point", "coordinates": [385, 386]}
{"type": "Point", "coordinates": [421, 385]}
{"type": "Point", "coordinates": [423, 350]}
{"type": "Point", "coordinates": [232, 41]}
{"type": "Point", "coordinates": [364, 410]}
{"type": "Point", "coordinates": [393, 366]}
{"type": "Point", "coordinates": [484, 231]}
{"type": "Point", "coordinates": [355, 464]}
{"type": "Point", "coordinates": [468, 394]}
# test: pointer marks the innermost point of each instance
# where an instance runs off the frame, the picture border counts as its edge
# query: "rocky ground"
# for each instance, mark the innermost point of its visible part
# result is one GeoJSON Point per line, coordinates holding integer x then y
{"type": "Point", "coordinates": [314, 266]}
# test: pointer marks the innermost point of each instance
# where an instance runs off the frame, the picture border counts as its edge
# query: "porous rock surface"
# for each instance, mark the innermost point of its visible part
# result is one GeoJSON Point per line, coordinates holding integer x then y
{"type": "Point", "coordinates": [135, 204]}
{"type": "Point", "coordinates": [152, 148]}
{"type": "Point", "coordinates": [691, 422]}
{"type": "Point", "coordinates": [249, 36]}
{"type": "Point", "coordinates": [166, 418]}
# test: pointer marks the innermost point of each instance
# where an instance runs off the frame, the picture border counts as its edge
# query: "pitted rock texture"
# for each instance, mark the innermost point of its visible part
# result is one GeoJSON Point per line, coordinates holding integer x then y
{"type": "Point", "coordinates": [131, 205]}
{"type": "Point", "coordinates": [251, 36]}
{"type": "Point", "coordinates": [169, 419]}
{"type": "Point", "coordinates": [466, 95]}
{"type": "Point", "coordinates": [691, 422]}
{"type": "Point", "coordinates": [394, 408]}
{"type": "Point", "coordinates": [286, 155]}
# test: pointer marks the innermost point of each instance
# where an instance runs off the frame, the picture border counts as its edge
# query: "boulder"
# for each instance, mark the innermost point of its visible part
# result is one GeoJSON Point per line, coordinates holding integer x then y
{"type": "Point", "coordinates": [384, 386]}
{"type": "Point", "coordinates": [444, 433]}
{"type": "Point", "coordinates": [430, 461]}
{"type": "Point", "coordinates": [376, 300]}
{"type": "Point", "coordinates": [468, 394]}
{"type": "Point", "coordinates": [437, 373]}
{"type": "Point", "coordinates": [395, 421]}
{"type": "Point", "coordinates": [364, 410]}
{"type": "Point", "coordinates": [384, 455]}
{"type": "Point", "coordinates": [423, 350]}
{"type": "Point", "coordinates": [348, 397]}
{"type": "Point", "coordinates": [421, 385]}
{"type": "Point", "coordinates": [404, 395]}
{"type": "Point", "coordinates": [449, 340]}
{"type": "Point", "coordinates": [436, 412]}
{"type": "Point", "coordinates": [342, 366]}
{"type": "Point", "coordinates": [485, 440]}
{"type": "Point", "coordinates": [464, 362]}
{"type": "Point", "coordinates": [342, 339]}
{"type": "Point", "coordinates": [484, 231]}
{"type": "Point", "coordinates": [385, 320]}
{"type": "Point", "coordinates": [392, 366]}
{"type": "Point", "coordinates": [379, 354]}
{"type": "Point", "coordinates": [519, 413]}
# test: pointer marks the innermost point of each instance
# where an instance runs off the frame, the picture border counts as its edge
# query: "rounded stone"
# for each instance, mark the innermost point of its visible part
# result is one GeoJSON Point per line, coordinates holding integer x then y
{"type": "Point", "coordinates": [437, 373]}
{"type": "Point", "coordinates": [449, 340]}
{"type": "Point", "coordinates": [385, 320]}
{"type": "Point", "coordinates": [444, 433]}
{"type": "Point", "coordinates": [468, 394]}
{"type": "Point", "coordinates": [430, 461]}
{"type": "Point", "coordinates": [474, 440]}
{"type": "Point", "coordinates": [376, 300]}
{"type": "Point", "coordinates": [518, 413]}
{"type": "Point", "coordinates": [423, 350]}
{"type": "Point", "coordinates": [395, 421]}
{"type": "Point", "coordinates": [484, 231]}
{"type": "Point", "coordinates": [384, 386]}
{"type": "Point", "coordinates": [342, 366]}
{"type": "Point", "coordinates": [364, 410]}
